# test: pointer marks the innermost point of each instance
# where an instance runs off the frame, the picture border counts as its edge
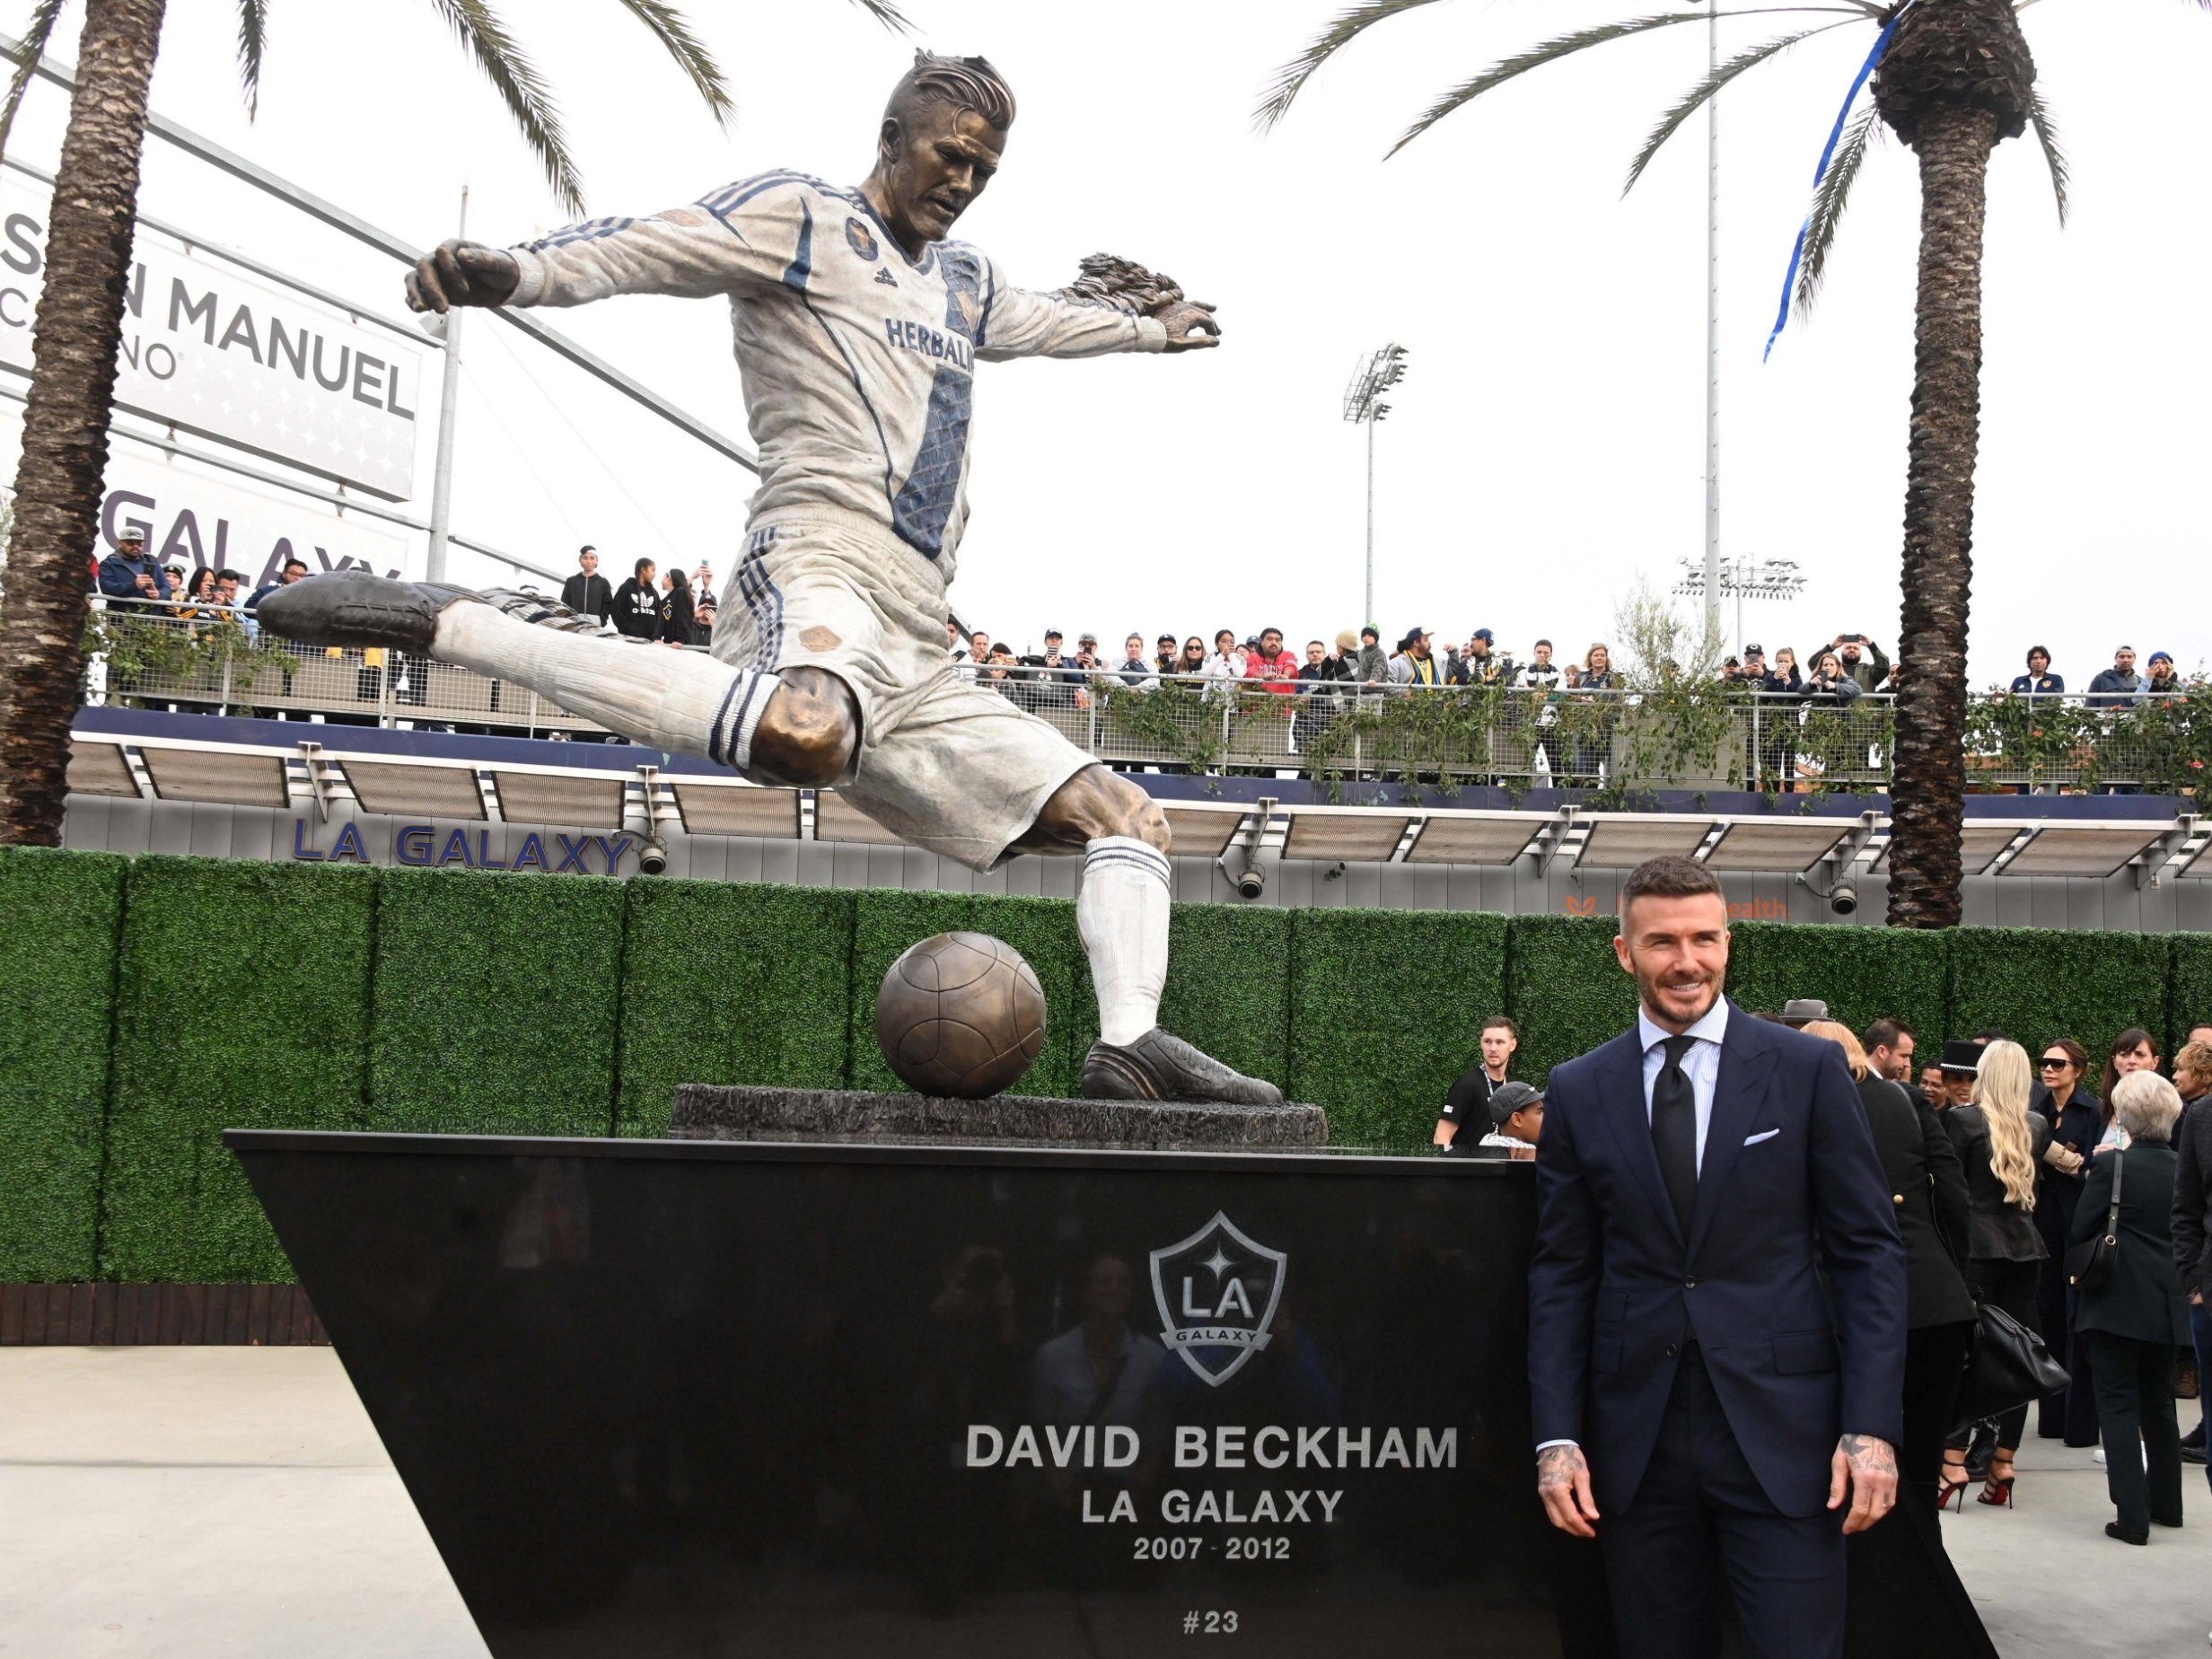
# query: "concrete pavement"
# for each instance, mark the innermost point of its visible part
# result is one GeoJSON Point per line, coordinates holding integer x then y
{"type": "Point", "coordinates": [179, 1503]}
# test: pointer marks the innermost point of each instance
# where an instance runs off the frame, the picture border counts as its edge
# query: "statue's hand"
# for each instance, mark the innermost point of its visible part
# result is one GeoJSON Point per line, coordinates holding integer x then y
{"type": "Point", "coordinates": [462, 273]}
{"type": "Point", "coordinates": [1191, 325]}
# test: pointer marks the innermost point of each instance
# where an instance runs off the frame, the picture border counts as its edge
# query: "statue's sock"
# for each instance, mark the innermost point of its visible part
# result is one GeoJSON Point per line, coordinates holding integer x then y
{"type": "Point", "coordinates": [684, 702]}
{"type": "Point", "coordinates": [1121, 911]}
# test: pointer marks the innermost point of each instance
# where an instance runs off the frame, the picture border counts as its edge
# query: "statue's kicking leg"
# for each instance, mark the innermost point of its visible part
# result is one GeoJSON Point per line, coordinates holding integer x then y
{"type": "Point", "coordinates": [796, 727]}
{"type": "Point", "coordinates": [1121, 910]}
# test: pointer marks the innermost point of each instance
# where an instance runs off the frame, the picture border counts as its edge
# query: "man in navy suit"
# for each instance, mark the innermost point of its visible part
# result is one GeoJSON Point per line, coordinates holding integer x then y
{"type": "Point", "coordinates": [1717, 1303]}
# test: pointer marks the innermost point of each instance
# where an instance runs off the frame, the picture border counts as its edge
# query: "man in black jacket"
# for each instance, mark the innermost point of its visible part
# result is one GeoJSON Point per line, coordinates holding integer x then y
{"type": "Point", "coordinates": [587, 592]}
{"type": "Point", "coordinates": [636, 606]}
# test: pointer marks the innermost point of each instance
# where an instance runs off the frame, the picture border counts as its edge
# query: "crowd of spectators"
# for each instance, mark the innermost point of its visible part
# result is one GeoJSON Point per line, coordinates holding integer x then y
{"type": "Point", "coordinates": [672, 608]}
{"type": "Point", "coordinates": [2003, 1175]}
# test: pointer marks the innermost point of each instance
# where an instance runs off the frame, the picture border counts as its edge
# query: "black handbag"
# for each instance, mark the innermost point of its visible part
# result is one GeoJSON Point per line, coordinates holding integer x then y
{"type": "Point", "coordinates": [2006, 1365]}
{"type": "Point", "coordinates": [2089, 1264]}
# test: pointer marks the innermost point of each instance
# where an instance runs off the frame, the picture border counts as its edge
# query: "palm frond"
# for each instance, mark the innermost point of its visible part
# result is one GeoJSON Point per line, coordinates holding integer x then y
{"type": "Point", "coordinates": [522, 89]}
{"type": "Point", "coordinates": [1829, 200]}
{"type": "Point", "coordinates": [1337, 33]}
{"type": "Point", "coordinates": [253, 36]}
{"type": "Point", "coordinates": [1583, 40]}
{"type": "Point", "coordinates": [1694, 100]}
{"type": "Point", "coordinates": [896, 21]}
{"type": "Point", "coordinates": [672, 31]}
{"type": "Point", "coordinates": [36, 33]}
{"type": "Point", "coordinates": [2047, 135]}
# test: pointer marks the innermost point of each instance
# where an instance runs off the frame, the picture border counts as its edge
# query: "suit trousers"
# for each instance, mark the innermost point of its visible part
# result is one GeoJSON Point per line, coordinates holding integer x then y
{"type": "Point", "coordinates": [2200, 1333]}
{"type": "Point", "coordinates": [1699, 1500]}
{"type": "Point", "coordinates": [1935, 1366]}
{"type": "Point", "coordinates": [2134, 1411]}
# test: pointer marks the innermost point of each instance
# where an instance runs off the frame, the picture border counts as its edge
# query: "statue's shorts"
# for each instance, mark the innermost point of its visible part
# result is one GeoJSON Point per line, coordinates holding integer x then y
{"type": "Point", "coordinates": [943, 762]}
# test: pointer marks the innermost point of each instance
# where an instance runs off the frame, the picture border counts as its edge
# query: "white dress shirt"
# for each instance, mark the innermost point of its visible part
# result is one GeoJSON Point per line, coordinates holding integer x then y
{"type": "Point", "coordinates": [1701, 1064]}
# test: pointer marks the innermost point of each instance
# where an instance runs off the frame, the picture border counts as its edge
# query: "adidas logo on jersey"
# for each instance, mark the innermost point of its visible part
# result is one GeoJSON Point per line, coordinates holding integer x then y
{"type": "Point", "coordinates": [887, 279]}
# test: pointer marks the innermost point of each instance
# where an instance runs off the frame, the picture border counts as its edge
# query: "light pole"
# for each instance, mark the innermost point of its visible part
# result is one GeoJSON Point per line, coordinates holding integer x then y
{"type": "Point", "coordinates": [1754, 578]}
{"type": "Point", "coordinates": [1712, 329]}
{"type": "Point", "coordinates": [447, 325]}
{"type": "Point", "coordinates": [1363, 403]}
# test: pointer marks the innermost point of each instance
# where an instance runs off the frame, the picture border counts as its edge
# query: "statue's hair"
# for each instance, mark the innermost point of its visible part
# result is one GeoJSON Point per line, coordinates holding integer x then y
{"type": "Point", "coordinates": [964, 82]}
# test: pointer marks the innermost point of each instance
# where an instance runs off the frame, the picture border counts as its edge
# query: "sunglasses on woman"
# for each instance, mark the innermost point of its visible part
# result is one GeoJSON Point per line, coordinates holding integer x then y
{"type": "Point", "coordinates": [2055, 1062]}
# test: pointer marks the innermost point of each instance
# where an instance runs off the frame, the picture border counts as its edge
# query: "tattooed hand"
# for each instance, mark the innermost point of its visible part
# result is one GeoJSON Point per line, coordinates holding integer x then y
{"type": "Point", "coordinates": [1864, 1469]}
{"type": "Point", "coordinates": [1563, 1482]}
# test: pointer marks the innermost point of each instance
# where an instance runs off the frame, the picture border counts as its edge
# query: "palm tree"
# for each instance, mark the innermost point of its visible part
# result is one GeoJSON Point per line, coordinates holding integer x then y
{"type": "Point", "coordinates": [80, 325]}
{"type": "Point", "coordinates": [1954, 78]}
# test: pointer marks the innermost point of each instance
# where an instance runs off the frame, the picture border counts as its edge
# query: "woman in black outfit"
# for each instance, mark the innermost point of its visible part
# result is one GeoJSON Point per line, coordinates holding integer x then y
{"type": "Point", "coordinates": [1928, 1187]}
{"type": "Point", "coordinates": [2076, 1119]}
{"type": "Point", "coordinates": [2135, 1322]}
{"type": "Point", "coordinates": [676, 609]}
{"type": "Point", "coordinates": [2000, 1142]}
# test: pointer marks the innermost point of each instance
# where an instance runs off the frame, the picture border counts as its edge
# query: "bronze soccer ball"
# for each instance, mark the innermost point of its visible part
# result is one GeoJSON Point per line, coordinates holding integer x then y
{"type": "Point", "coordinates": [960, 1014]}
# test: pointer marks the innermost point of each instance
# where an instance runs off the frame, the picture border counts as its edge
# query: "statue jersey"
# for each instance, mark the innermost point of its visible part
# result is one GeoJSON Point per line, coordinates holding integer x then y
{"type": "Point", "coordinates": [858, 363]}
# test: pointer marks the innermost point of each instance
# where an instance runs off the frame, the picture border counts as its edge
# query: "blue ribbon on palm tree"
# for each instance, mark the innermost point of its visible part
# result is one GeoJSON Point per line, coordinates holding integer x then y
{"type": "Point", "coordinates": [1797, 253]}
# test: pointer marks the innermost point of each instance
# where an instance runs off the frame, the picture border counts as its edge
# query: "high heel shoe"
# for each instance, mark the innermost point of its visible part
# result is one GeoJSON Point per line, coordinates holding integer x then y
{"type": "Point", "coordinates": [1945, 1490]}
{"type": "Point", "coordinates": [1997, 1491]}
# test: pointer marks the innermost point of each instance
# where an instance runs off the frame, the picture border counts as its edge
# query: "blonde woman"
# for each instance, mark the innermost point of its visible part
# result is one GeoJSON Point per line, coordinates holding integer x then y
{"type": "Point", "coordinates": [2001, 1142]}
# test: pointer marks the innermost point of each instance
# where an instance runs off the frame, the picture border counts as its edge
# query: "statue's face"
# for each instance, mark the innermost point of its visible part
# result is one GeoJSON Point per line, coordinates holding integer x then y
{"type": "Point", "coordinates": [934, 161]}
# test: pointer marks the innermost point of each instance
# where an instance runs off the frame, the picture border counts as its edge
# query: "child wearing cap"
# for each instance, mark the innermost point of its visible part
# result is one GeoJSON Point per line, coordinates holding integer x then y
{"type": "Point", "coordinates": [1516, 1119]}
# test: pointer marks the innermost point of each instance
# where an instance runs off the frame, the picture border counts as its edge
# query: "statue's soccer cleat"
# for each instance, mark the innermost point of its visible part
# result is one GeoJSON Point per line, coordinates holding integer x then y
{"type": "Point", "coordinates": [1160, 1067]}
{"type": "Point", "coordinates": [355, 608]}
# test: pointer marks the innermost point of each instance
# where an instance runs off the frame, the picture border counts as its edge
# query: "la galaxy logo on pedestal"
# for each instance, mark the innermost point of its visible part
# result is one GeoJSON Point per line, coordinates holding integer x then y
{"type": "Point", "coordinates": [1217, 1291]}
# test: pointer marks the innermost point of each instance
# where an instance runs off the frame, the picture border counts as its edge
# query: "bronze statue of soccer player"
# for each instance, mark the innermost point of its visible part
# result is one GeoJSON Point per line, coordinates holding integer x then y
{"type": "Point", "coordinates": [858, 327]}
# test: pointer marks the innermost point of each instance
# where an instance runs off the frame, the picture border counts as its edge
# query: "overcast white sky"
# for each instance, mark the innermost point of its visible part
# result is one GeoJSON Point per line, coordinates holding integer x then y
{"type": "Point", "coordinates": [1545, 451]}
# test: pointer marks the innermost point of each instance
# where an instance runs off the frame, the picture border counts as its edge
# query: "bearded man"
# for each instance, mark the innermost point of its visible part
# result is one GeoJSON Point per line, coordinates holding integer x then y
{"type": "Point", "coordinates": [858, 327]}
{"type": "Point", "coordinates": [1695, 1384]}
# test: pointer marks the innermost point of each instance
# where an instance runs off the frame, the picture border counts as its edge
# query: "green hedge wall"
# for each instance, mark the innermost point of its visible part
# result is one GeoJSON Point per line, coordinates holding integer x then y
{"type": "Point", "coordinates": [724, 980]}
{"type": "Point", "coordinates": [1864, 974]}
{"type": "Point", "coordinates": [153, 1003]}
{"type": "Point", "coordinates": [242, 1003]}
{"type": "Point", "coordinates": [495, 1005]}
{"type": "Point", "coordinates": [2038, 983]}
{"type": "Point", "coordinates": [1386, 1009]}
{"type": "Point", "coordinates": [59, 917]}
{"type": "Point", "coordinates": [1564, 988]}
{"type": "Point", "coordinates": [2190, 1000]}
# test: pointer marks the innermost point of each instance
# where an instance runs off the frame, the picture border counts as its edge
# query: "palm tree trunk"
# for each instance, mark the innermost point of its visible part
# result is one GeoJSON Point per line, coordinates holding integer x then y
{"type": "Point", "coordinates": [59, 481]}
{"type": "Point", "coordinates": [1929, 772]}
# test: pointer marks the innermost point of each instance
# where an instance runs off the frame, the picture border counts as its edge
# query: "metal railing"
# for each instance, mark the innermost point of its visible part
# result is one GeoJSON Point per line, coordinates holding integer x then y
{"type": "Point", "coordinates": [216, 661]}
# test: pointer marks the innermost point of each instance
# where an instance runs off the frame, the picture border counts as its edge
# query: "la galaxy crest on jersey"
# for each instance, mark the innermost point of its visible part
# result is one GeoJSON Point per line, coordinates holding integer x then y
{"type": "Point", "coordinates": [861, 237]}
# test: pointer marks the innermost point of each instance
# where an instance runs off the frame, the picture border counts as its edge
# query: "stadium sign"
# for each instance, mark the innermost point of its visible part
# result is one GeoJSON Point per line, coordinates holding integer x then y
{"type": "Point", "coordinates": [189, 519]}
{"type": "Point", "coordinates": [208, 350]}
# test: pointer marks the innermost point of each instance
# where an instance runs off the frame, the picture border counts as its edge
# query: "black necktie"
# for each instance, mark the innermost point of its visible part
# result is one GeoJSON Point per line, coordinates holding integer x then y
{"type": "Point", "coordinates": [1674, 1131]}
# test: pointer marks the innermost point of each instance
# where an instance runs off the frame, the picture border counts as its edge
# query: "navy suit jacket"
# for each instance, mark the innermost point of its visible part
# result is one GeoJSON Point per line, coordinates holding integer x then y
{"type": "Point", "coordinates": [1792, 1280]}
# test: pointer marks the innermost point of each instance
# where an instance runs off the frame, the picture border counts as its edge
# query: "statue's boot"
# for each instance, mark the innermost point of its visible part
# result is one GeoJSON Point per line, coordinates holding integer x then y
{"type": "Point", "coordinates": [355, 608]}
{"type": "Point", "coordinates": [1162, 1066]}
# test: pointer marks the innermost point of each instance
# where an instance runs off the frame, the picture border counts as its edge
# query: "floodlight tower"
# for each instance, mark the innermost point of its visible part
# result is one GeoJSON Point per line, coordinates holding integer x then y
{"type": "Point", "coordinates": [1362, 404]}
{"type": "Point", "coordinates": [1753, 578]}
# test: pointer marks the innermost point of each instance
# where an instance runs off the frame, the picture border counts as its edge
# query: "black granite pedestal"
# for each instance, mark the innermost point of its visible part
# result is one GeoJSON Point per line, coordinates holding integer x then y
{"type": "Point", "coordinates": [718, 1111]}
